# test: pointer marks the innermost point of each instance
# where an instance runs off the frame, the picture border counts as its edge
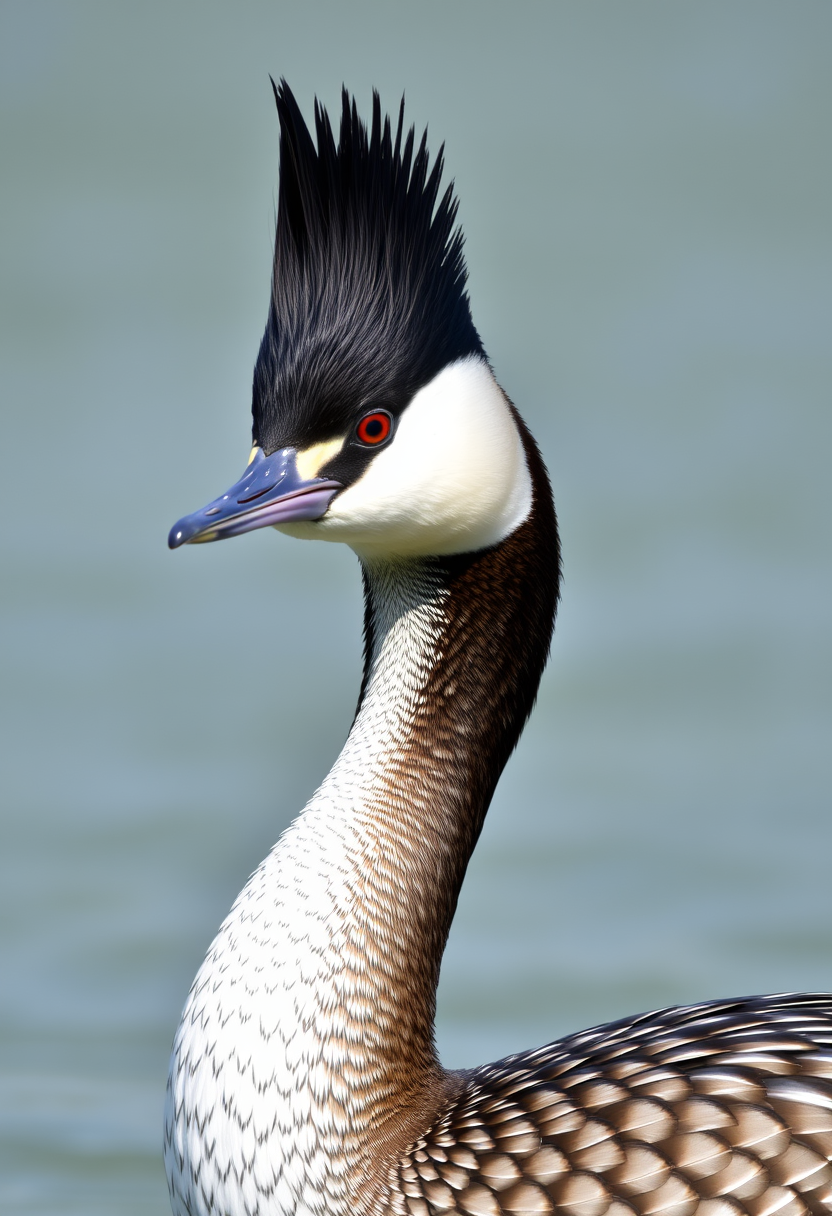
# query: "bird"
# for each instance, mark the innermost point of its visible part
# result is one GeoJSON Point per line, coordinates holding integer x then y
{"type": "Point", "coordinates": [304, 1077]}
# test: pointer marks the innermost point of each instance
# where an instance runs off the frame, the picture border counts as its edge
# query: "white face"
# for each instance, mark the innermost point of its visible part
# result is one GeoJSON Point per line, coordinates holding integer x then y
{"type": "Point", "coordinates": [453, 478]}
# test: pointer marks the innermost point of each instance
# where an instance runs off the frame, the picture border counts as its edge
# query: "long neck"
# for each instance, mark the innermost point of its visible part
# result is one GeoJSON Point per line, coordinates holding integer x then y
{"type": "Point", "coordinates": [313, 1011]}
{"type": "Point", "coordinates": [454, 652]}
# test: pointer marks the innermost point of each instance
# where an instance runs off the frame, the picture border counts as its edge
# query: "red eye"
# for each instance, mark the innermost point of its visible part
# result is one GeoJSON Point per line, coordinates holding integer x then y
{"type": "Point", "coordinates": [374, 428]}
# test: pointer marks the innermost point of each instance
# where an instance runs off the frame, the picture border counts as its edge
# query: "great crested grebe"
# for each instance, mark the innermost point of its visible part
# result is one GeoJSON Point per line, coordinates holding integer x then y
{"type": "Point", "coordinates": [304, 1077]}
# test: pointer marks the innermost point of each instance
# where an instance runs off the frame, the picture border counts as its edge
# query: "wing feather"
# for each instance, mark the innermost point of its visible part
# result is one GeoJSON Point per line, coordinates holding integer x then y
{"type": "Point", "coordinates": [722, 1109]}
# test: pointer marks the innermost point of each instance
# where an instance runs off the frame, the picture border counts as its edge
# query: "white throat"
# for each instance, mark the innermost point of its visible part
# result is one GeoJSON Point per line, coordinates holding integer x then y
{"type": "Point", "coordinates": [284, 1061]}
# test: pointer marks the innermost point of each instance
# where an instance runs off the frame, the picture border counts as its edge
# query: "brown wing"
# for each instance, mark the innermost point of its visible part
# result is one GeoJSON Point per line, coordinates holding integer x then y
{"type": "Point", "coordinates": [719, 1109]}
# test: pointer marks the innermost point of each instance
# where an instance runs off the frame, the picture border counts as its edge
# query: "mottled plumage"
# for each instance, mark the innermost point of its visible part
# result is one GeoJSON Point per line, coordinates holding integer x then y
{"type": "Point", "coordinates": [722, 1109]}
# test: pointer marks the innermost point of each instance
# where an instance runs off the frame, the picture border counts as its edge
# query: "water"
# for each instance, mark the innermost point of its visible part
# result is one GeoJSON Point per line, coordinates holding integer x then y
{"type": "Point", "coordinates": [646, 196]}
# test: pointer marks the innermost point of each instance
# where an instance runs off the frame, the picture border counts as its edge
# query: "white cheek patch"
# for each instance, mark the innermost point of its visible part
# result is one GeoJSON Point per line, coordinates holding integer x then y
{"type": "Point", "coordinates": [453, 479]}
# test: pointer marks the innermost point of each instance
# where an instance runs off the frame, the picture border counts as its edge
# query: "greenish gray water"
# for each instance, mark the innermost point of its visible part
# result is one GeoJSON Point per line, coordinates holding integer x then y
{"type": "Point", "coordinates": [646, 195]}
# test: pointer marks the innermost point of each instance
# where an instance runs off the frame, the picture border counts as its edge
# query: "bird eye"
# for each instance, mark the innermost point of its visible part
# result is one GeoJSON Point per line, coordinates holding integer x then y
{"type": "Point", "coordinates": [374, 428]}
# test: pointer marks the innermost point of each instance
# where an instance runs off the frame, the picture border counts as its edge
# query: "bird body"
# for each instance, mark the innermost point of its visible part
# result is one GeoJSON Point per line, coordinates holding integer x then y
{"type": "Point", "coordinates": [304, 1077]}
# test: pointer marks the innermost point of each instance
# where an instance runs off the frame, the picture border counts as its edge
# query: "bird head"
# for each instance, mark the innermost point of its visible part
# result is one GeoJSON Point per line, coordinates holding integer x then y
{"type": "Point", "coordinates": [376, 418]}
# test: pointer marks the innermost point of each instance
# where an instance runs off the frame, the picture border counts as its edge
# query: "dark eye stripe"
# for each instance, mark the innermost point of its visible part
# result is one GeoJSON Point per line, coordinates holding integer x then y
{"type": "Point", "coordinates": [374, 428]}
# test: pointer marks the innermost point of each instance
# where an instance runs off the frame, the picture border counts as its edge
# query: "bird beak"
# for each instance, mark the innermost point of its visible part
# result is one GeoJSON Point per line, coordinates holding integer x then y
{"type": "Point", "coordinates": [271, 491]}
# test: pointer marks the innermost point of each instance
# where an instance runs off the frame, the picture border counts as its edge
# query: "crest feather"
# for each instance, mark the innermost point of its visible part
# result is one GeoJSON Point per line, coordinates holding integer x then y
{"type": "Point", "coordinates": [368, 297]}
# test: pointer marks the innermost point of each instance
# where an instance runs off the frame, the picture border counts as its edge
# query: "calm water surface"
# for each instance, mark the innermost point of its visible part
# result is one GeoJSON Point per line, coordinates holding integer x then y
{"type": "Point", "coordinates": [646, 195]}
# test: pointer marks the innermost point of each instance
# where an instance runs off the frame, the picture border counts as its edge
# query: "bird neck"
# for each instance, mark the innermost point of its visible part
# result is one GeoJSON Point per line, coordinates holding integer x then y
{"type": "Point", "coordinates": [454, 651]}
{"type": "Point", "coordinates": [313, 1011]}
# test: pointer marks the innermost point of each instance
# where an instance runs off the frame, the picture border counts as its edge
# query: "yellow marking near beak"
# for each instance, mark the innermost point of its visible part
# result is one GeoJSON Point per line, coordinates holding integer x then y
{"type": "Point", "coordinates": [312, 459]}
{"type": "Point", "coordinates": [254, 452]}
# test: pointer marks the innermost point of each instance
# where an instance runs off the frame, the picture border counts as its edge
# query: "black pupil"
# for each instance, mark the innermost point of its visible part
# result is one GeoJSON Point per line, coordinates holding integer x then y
{"type": "Point", "coordinates": [373, 428]}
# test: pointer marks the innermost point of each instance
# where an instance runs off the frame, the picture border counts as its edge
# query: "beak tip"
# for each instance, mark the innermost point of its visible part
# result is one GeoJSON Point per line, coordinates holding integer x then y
{"type": "Point", "coordinates": [176, 536]}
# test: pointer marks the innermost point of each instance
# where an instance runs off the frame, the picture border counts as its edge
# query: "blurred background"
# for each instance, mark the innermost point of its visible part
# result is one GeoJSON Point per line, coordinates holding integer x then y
{"type": "Point", "coordinates": [645, 190]}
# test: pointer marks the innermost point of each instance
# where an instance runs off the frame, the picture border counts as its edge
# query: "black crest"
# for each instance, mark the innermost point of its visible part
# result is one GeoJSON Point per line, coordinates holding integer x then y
{"type": "Point", "coordinates": [368, 295]}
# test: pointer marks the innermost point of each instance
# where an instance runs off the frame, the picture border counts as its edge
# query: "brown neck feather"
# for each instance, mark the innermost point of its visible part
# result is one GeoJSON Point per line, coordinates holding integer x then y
{"type": "Point", "coordinates": [498, 615]}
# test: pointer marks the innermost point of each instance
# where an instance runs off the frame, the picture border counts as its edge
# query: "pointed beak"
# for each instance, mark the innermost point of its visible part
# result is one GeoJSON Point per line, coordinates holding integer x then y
{"type": "Point", "coordinates": [271, 491]}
